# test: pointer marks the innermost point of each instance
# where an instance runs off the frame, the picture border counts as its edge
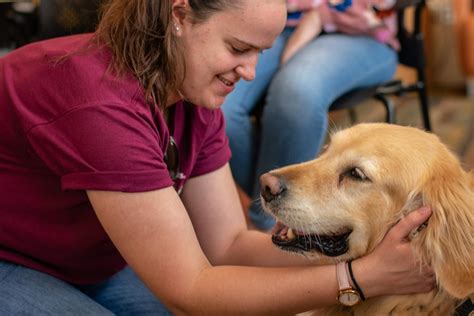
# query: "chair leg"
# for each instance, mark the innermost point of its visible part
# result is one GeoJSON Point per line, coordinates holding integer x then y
{"type": "Point", "coordinates": [424, 108]}
{"type": "Point", "coordinates": [389, 107]}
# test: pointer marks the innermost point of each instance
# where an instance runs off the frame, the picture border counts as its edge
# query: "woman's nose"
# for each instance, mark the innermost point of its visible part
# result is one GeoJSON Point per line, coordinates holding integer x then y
{"type": "Point", "coordinates": [246, 70]}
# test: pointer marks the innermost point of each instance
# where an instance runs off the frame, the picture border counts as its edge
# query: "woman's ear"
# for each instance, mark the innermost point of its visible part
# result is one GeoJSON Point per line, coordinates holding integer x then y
{"type": "Point", "coordinates": [447, 243]}
{"type": "Point", "coordinates": [178, 14]}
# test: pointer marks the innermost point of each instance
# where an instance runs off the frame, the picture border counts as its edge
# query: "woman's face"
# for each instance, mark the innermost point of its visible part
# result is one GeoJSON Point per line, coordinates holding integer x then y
{"type": "Point", "coordinates": [223, 49]}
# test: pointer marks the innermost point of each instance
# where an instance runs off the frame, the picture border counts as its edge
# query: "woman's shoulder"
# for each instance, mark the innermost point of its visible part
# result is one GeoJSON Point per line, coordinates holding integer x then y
{"type": "Point", "coordinates": [76, 58]}
{"type": "Point", "coordinates": [62, 74]}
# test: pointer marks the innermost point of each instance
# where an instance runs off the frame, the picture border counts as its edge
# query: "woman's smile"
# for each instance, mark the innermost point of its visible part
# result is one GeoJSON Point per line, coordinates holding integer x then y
{"type": "Point", "coordinates": [225, 81]}
{"type": "Point", "coordinates": [228, 86]}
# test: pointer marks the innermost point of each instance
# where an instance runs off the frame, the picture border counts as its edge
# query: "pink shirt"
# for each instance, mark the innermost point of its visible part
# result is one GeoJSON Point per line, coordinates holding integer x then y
{"type": "Point", "coordinates": [68, 127]}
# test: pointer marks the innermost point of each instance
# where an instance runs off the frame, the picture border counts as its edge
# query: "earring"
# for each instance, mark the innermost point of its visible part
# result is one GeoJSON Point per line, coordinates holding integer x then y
{"type": "Point", "coordinates": [176, 27]}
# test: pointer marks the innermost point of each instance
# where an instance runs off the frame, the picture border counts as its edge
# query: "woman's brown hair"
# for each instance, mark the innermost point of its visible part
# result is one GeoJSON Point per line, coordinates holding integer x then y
{"type": "Point", "coordinates": [140, 36]}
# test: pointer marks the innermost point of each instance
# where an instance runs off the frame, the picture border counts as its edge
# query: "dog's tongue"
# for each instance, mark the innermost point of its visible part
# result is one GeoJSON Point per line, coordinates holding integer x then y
{"type": "Point", "coordinates": [279, 229]}
{"type": "Point", "coordinates": [283, 233]}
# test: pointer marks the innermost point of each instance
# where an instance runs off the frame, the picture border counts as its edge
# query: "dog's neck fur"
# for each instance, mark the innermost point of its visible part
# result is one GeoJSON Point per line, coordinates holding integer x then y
{"type": "Point", "coordinates": [436, 302]}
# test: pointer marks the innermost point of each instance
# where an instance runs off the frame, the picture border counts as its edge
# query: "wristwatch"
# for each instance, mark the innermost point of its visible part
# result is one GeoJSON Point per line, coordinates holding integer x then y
{"type": "Point", "coordinates": [347, 295]}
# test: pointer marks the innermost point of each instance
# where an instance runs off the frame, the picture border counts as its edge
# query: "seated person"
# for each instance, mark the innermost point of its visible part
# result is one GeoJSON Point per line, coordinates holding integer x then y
{"type": "Point", "coordinates": [378, 13]}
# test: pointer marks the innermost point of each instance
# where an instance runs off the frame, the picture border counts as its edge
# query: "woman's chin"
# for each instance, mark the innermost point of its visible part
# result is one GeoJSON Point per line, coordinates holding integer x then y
{"type": "Point", "coordinates": [213, 103]}
{"type": "Point", "coordinates": [210, 101]}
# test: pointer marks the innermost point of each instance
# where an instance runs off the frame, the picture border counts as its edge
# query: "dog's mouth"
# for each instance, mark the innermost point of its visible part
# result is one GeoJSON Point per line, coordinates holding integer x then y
{"type": "Point", "coordinates": [329, 245]}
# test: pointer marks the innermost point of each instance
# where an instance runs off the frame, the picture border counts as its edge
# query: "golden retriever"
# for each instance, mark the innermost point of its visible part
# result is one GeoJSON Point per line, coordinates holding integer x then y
{"type": "Point", "coordinates": [340, 205]}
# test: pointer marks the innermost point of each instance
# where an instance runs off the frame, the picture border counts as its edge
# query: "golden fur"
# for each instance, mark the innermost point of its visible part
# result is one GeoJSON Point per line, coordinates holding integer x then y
{"type": "Point", "coordinates": [406, 168]}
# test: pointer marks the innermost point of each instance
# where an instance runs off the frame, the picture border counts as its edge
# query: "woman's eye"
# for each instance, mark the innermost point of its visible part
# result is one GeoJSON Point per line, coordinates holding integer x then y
{"type": "Point", "coordinates": [239, 50]}
{"type": "Point", "coordinates": [357, 174]}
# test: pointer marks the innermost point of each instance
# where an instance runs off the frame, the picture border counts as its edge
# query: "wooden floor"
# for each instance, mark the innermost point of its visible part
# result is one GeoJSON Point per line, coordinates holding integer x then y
{"type": "Point", "coordinates": [452, 119]}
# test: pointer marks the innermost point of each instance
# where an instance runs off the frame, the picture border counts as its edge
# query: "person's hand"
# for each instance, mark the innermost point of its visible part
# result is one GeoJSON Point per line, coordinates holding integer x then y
{"type": "Point", "coordinates": [392, 267]}
{"type": "Point", "coordinates": [353, 21]}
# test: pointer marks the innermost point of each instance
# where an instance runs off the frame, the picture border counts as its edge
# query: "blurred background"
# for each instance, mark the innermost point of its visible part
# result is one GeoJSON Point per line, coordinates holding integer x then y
{"type": "Point", "coordinates": [448, 30]}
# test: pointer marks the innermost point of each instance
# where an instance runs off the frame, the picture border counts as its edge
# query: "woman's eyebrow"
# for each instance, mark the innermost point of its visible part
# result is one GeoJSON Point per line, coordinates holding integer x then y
{"type": "Point", "coordinates": [251, 45]}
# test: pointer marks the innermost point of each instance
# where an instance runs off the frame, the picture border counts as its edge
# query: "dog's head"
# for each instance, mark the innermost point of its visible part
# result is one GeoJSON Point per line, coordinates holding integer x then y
{"type": "Point", "coordinates": [341, 205]}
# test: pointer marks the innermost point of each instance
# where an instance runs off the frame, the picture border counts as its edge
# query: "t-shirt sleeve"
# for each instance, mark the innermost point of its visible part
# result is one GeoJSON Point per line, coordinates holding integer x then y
{"type": "Point", "coordinates": [102, 147]}
{"type": "Point", "coordinates": [215, 151]}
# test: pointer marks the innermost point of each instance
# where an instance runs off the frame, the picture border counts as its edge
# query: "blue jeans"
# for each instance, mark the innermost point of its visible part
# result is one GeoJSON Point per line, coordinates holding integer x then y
{"type": "Point", "coordinates": [294, 121]}
{"type": "Point", "coordinates": [28, 292]}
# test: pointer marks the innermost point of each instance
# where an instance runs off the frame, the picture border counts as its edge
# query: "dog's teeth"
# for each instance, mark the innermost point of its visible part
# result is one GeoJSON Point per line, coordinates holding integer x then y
{"type": "Point", "coordinates": [290, 234]}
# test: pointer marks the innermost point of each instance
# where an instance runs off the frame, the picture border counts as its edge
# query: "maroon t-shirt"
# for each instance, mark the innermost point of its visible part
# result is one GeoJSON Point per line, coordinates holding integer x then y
{"type": "Point", "coordinates": [69, 126]}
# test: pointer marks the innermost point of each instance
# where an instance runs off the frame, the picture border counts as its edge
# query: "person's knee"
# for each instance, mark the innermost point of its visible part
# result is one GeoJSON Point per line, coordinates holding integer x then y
{"type": "Point", "coordinates": [296, 85]}
{"type": "Point", "coordinates": [295, 103]}
{"type": "Point", "coordinates": [26, 291]}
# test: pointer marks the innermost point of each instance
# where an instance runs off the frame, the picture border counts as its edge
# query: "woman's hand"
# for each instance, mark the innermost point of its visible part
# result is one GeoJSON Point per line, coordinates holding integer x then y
{"type": "Point", "coordinates": [392, 267]}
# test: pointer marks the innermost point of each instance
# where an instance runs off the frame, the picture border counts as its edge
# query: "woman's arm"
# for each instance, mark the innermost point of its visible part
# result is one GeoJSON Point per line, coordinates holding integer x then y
{"type": "Point", "coordinates": [155, 235]}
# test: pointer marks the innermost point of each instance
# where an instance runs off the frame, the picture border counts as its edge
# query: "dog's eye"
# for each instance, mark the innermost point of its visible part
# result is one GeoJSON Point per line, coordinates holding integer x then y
{"type": "Point", "coordinates": [356, 174]}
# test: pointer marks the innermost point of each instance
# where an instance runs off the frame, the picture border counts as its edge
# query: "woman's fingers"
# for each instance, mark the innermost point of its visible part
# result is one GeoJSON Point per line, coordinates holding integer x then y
{"type": "Point", "coordinates": [410, 222]}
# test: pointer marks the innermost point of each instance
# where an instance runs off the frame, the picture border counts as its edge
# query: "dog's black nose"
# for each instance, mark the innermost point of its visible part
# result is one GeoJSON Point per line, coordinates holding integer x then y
{"type": "Point", "coordinates": [271, 186]}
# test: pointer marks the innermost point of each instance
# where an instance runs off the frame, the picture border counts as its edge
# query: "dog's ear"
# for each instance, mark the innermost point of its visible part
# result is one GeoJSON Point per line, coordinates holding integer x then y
{"type": "Point", "coordinates": [447, 243]}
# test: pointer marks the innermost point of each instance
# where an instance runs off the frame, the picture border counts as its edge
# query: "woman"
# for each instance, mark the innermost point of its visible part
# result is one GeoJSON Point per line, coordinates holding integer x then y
{"type": "Point", "coordinates": [90, 222]}
{"type": "Point", "coordinates": [299, 93]}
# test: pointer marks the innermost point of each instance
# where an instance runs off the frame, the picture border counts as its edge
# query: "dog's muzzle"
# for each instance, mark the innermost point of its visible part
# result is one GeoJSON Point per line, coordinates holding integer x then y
{"type": "Point", "coordinates": [273, 190]}
{"type": "Point", "coordinates": [329, 245]}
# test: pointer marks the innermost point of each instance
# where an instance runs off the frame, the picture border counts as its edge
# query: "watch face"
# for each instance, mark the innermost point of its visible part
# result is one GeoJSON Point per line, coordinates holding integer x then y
{"type": "Point", "coordinates": [349, 297]}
